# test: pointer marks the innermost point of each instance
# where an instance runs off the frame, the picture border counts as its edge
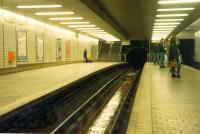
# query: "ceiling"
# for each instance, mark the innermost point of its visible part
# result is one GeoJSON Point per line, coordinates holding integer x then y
{"type": "Point", "coordinates": [125, 19]}
{"type": "Point", "coordinates": [189, 32]}
{"type": "Point", "coordinates": [79, 9]}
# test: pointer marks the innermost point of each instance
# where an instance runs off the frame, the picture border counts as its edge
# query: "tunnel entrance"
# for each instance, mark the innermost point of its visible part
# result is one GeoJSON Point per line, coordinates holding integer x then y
{"type": "Point", "coordinates": [137, 57]}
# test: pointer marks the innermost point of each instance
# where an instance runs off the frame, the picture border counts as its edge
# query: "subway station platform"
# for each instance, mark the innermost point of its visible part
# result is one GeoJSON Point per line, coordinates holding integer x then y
{"type": "Point", "coordinates": [166, 105]}
{"type": "Point", "coordinates": [20, 88]}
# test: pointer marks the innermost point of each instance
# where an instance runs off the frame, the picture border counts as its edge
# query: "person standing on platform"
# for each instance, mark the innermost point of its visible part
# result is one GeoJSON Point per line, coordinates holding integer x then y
{"type": "Point", "coordinates": [161, 53]}
{"type": "Point", "coordinates": [85, 56]}
{"type": "Point", "coordinates": [173, 58]}
{"type": "Point", "coordinates": [155, 53]}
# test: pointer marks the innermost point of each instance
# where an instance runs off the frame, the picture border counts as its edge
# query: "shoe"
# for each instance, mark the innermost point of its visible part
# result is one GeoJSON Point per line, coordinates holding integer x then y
{"type": "Point", "coordinates": [173, 75]}
{"type": "Point", "coordinates": [178, 76]}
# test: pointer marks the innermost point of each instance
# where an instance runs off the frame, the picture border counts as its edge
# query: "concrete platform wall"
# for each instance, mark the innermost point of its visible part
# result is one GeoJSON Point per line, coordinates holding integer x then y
{"type": "Point", "coordinates": [11, 23]}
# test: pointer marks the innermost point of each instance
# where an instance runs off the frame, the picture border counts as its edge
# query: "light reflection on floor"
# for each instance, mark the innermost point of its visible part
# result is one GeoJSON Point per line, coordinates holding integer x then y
{"type": "Point", "coordinates": [100, 124]}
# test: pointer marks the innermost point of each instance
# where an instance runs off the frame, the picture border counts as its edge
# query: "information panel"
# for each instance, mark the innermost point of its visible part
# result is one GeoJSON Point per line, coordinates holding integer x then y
{"type": "Point", "coordinates": [58, 48]}
{"type": "Point", "coordinates": [40, 46]}
{"type": "Point", "coordinates": [21, 46]}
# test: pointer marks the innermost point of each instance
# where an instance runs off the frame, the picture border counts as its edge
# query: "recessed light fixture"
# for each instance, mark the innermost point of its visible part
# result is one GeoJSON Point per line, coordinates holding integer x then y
{"type": "Point", "coordinates": [178, 1]}
{"type": "Point", "coordinates": [40, 6]}
{"type": "Point", "coordinates": [163, 29]}
{"type": "Point", "coordinates": [81, 26]}
{"type": "Point", "coordinates": [163, 20]}
{"type": "Point", "coordinates": [172, 23]}
{"type": "Point", "coordinates": [171, 15]}
{"type": "Point", "coordinates": [164, 26]}
{"type": "Point", "coordinates": [71, 18]}
{"type": "Point", "coordinates": [97, 32]}
{"type": "Point", "coordinates": [54, 13]}
{"type": "Point", "coordinates": [69, 23]}
{"type": "Point", "coordinates": [92, 28]}
{"type": "Point", "coordinates": [175, 9]}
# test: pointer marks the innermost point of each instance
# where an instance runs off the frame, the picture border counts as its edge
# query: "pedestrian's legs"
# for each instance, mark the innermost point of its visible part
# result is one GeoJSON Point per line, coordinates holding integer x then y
{"type": "Point", "coordinates": [178, 69]}
{"type": "Point", "coordinates": [162, 58]}
{"type": "Point", "coordinates": [157, 57]}
{"type": "Point", "coordinates": [173, 71]}
{"type": "Point", "coordinates": [154, 58]}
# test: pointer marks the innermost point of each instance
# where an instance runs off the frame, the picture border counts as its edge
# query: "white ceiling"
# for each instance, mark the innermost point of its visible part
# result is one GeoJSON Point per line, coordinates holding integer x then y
{"type": "Point", "coordinates": [190, 31]}
{"type": "Point", "coordinates": [76, 6]}
{"type": "Point", "coordinates": [136, 17]}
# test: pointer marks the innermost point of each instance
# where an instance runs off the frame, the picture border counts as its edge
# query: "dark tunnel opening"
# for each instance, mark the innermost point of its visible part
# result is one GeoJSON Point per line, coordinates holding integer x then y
{"type": "Point", "coordinates": [137, 57]}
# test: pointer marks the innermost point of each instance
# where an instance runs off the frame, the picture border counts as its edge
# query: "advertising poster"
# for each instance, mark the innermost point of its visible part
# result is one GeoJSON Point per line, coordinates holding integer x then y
{"type": "Point", "coordinates": [40, 47]}
{"type": "Point", "coordinates": [21, 46]}
{"type": "Point", "coordinates": [58, 48]}
{"type": "Point", "coordinates": [68, 50]}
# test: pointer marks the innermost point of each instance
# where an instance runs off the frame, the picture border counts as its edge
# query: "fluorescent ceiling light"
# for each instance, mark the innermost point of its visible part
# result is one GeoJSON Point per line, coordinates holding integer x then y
{"type": "Point", "coordinates": [162, 29]}
{"type": "Point", "coordinates": [68, 23]}
{"type": "Point", "coordinates": [161, 20]}
{"type": "Point", "coordinates": [164, 26]}
{"type": "Point", "coordinates": [92, 28]}
{"type": "Point", "coordinates": [175, 9]}
{"type": "Point", "coordinates": [40, 6]}
{"type": "Point", "coordinates": [72, 18]}
{"type": "Point", "coordinates": [54, 13]}
{"type": "Point", "coordinates": [97, 32]}
{"type": "Point", "coordinates": [171, 15]}
{"type": "Point", "coordinates": [172, 23]}
{"type": "Point", "coordinates": [177, 1]}
{"type": "Point", "coordinates": [81, 26]}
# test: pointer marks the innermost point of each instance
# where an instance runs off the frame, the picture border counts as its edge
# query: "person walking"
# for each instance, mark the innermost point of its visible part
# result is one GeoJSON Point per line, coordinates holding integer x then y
{"type": "Point", "coordinates": [155, 49]}
{"type": "Point", "coordinates": [161, 53]}
{"type": "Point", "coordinates": [173, 58]}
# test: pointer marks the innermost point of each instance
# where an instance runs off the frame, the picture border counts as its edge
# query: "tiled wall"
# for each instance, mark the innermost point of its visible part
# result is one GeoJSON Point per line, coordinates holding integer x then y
{"type": "Point", "coordinates": [8, 42]}
{"type": "Point", "coordinates": [197, 47]}
{"type": "Point", "coordinates": [31, 48]}
{"type": "Point", "coordinates": [1, 46]}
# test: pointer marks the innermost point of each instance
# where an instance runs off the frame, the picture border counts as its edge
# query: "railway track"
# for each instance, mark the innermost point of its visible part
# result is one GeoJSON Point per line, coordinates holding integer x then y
{"type": "Point", "coordinates": [46, 113]}
{"type": "Point", "coordinates": [84, 119]}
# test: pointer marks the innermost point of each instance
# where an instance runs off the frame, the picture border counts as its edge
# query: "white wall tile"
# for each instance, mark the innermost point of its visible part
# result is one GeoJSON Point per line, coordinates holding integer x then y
{"type": "Point", "coordinates": [31, 46]}
{"type": "Point", "coordinates": [1, 46]}
{"type": "Point", "coordinates": [9, 43]}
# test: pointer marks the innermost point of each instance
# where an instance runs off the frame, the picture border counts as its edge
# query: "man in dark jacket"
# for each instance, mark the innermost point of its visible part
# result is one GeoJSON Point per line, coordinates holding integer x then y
{"type": "Point", "coordinates": [173, 58]}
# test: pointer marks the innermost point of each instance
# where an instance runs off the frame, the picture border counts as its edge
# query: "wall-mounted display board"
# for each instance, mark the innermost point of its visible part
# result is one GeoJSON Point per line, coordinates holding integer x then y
{"type": "Point", "coordinates": [21, 46]}
{"type": "Point", "coordinates": [68, 50]}
{"type": "Point", "coordinates": [40, 47]}
{"type": "Point", "coordinates": [58, 48]}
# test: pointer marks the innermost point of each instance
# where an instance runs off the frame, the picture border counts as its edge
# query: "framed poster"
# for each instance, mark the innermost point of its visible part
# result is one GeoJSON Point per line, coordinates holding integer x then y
{"type": "Point", "coordinates": [58, 48]}
{"type": "Point", "coordinates": [68, 50]}
{"type": "Point", "coordinates": [40, 47]}
{"type": "Point", "coordinates": [21, 46]}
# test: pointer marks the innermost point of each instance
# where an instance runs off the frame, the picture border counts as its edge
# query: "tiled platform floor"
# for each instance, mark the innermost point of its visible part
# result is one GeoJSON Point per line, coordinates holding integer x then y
{"type": "Point", "coordinates": [20, 88]}
{"type": "Point", "coordinates": [165, 105]}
